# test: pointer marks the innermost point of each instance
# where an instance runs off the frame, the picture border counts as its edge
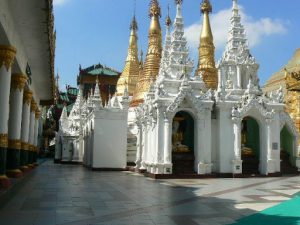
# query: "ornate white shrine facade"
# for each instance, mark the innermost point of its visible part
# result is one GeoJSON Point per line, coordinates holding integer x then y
{"type": "Point", "coordinates": [184, 128]}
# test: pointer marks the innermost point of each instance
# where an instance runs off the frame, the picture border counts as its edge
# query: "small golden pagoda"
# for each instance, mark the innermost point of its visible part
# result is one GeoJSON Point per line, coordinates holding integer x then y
{"type": "Point", "coordinates": [206, 65]}
{"type": "Point", "coordinates": [153, 57]}
{"type": "Point", "coordinates": [130, 74]}
{"type": "Point", "coordinates": [289, 79]}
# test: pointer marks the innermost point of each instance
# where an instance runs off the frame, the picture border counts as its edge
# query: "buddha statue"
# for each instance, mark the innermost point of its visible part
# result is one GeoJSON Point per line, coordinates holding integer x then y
{"type": "Point", "coordinates": [177, 137]}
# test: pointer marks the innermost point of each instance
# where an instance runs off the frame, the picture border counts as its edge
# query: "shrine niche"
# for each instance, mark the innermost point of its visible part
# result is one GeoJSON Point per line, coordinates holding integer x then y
{"type": "Point", "coordinates": [250, 142]}
{"type": "Point", "coordinates": [183, 143]}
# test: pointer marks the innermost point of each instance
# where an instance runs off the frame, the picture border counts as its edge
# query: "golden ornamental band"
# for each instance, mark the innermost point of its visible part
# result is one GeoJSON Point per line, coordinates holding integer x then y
{"type": "Point", "coordinates": [7, 56]}
{"type": "Point", "coordinates": [18, 81]}
{"type": "Point", "coordinates": [33, 106]}
{"type": "Point", "coordinates": [3, 140]}
{"type": "Point", "coordinates": [24, 146]}
{"type": "Point", "coordinates": [27, 97]}
{"type": "Point", "coordinates": [14, 144]}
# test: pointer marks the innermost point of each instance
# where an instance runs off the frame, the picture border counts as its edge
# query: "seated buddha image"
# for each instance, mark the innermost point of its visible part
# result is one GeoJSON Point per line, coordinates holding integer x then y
{"type": "Point", "coordinates": [178, 136]}
{"type": "Point", "coordinates": [246, 151]}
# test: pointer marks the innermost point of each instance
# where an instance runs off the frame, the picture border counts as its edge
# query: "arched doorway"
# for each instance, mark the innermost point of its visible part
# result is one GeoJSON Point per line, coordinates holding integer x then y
{"type": "Point", "coordinates": [287, 152]}
{"type": "Point", "coordinates": [183, 143]}
{"type": "Point", "coordinates": [250, 146]}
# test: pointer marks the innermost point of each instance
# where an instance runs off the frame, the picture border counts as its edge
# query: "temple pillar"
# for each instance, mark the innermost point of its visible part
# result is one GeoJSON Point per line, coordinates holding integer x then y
{"type": "Point", "coordinates": [36, 136]}
{"type": "Point", "coordinates": [25, 130]}
{"type": "Point", "coordinates": [138, 161]}
{"type": "Point", "coordinates": [268, 164]}
{"type": "Point", "coordinates": [31, 133]}
{"type": "Point", "coordinates": [14, 132]}
{"type": "Point", "coordinates": [159, 132]}
{"type": "Point", "coordinates": [237, 161]}
{"type": "Point", "coordinates": [143, 147]}
{"type": "Point", "coordinates": [7, 56]}
{"type": "Point", "coordinates": [203, 151]}
{"type": "Point", "coordinates": [167, 147]}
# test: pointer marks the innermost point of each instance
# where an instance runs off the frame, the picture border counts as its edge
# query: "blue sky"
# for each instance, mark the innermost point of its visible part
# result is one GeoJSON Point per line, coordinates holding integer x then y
{"type": "Point", "coordinates": [97, 31]}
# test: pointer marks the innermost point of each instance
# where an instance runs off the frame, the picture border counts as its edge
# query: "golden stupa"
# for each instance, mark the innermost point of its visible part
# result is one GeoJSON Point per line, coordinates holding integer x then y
{"type": "Point", "coordinates": [153, 57]}
{"type": "Point", "coordinates": [130, 74]}
{"type": "Point", "coordinates": [206, 65]}
{"type": "Point", "coordinates": [289, 79]}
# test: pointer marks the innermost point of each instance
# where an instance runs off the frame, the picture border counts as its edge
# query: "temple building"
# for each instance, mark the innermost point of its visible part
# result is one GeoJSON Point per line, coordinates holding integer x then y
{"type": "Point", "coordinates": [288, 79]}
{"type": "Point", "coordinates": [217, 121]}
{"type": "Point", "coordinates": [27, 51]}
{"type": "Point", "coordinates": [107, 77]}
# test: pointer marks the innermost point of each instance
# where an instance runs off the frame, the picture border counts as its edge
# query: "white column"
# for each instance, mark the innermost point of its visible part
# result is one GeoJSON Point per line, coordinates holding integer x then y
{"type": "Point", "coordinates": [268, 162]}
{"type": "Point", "coordinates": [167, 141]}
{"type": "Point", "coordinates": [139, 141]}
{"type": "Point", "coordinates": [31, 132]}
{"type": "Point", "coordinates": [143, 148]}
{"type": "Point", "coordinates": [25, 128]}
{"type": "Point", "coordinates": [14, 125]}
{"type": "Point", "coordinates": [239, 77]}
{"type": "Point", "coordinates": [32, 124]}
{"type": "Point", "coordinates": [16, 104]}
{"type": "Point", "coordinates": [36, 134]}
{"type": "Point", "coordinates": [7, 55]}
{"type": "Point", "coordinates": [269, 139]}
{"type": "Point", "coordinates": [237, 161]}
{"type": "Point", "coordinates": [159, 132]}
{"type": "Point", "coordinates": [237, 138]}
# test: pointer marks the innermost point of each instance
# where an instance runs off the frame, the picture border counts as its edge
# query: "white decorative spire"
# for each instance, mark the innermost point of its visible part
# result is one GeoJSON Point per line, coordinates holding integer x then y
{"type": "Point", "coordinates": [237, 35]}
{"type": "Point", "coordinates": [164, 63]}
{"type": "Point", "coordinates": [115, 103]}
{"type": "Point", "coordinates": [179, 53]}
{"type": "Point", "coordinates": [97, 99]}
{"type": "Point", "coordinates": [237, 65]}
{"type": "Point", "coordinates": [64, 114]}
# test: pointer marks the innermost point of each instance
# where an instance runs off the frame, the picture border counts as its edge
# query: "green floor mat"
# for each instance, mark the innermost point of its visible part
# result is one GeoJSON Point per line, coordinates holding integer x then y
{"type": "Point", "coordinates": [286, 213]}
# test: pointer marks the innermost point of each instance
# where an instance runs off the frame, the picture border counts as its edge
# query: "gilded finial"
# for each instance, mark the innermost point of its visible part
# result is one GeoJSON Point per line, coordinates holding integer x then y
{"type": "Point", "coordinates": [168, 19]}
{"type": "Point", "coordinates": [178, 2]}
{"type": "Point", "coordinates": [154, 9]}
{"type": "Point", "coordinates": [141, 55]}
{"type": "Point", "coordinates": [206, 7]}
{"type": "Point", "coordinates": [206, 64]}
{"type": "Point", "coordinates": [133, 24]}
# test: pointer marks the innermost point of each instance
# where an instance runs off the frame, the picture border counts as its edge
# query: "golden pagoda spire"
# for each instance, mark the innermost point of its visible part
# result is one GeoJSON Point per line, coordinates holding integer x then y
{"type": "Point", "coordinates": [206, 65]}
{"type": "Point", "coordinates": [129, 76]}
{"type": "Point", "coordinates": [153, 57]}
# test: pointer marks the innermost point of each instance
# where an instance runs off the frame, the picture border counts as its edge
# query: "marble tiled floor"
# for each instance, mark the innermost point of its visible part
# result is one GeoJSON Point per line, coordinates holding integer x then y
{"type": "Point", "coordinates": [72, 195]}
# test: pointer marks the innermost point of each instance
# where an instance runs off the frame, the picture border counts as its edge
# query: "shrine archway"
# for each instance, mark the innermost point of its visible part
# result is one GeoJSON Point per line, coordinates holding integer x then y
{"type": "Point", "coordinates": [183, 133]}
{"type": "Point", "coordinates": [250, 143]}
{"type": "Point", "coordinates": [287, 151]}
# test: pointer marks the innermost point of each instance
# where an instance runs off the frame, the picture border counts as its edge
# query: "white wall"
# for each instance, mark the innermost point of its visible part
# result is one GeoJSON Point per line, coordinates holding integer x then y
{"type": "Point", "coordinates": [110, 140]}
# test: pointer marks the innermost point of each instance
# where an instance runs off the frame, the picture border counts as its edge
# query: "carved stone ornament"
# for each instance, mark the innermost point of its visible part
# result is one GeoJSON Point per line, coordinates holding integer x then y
{"type": "Point", "coordinates": [243, 108]}
{"type": "Point", "coordinates": [7, 56]}
{"type": "Point", "coordinates": [3, 140]}
{"type": "Point", "coordinates": [18, 81]}
{"type": "Point", "coordinates": [14, 144]}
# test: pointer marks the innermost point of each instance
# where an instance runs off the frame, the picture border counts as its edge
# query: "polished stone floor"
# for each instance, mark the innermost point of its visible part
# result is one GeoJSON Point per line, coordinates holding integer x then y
{"type": "Point", "coordinates": [72, 195]}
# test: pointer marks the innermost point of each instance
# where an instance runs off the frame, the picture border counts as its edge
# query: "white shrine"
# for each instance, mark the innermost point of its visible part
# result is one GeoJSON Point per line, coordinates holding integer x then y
{"type": "Point", "coordinates": [94, 135]}
{"type": "Point", "coordinates": [183, 128]}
